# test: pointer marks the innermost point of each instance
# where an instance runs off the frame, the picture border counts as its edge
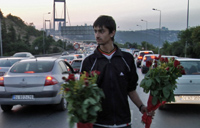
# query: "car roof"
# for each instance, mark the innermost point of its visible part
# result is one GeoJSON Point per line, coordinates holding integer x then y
{"type": "Point", "coordinates": [145, 51]}
{"type": "Point", "coordinates": [188, 59]}
{"type": "Point", "coordinates": [151, 55]}
{"type": "Point", "coordinates": [42, 59]}
{"type": "Point", "coordinates": [13, 58]}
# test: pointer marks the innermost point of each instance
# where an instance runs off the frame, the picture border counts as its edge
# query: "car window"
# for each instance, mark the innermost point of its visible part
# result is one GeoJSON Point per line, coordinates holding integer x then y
{"type": "Point", "coordinates": [143, 53]}
{"type": "Point", "coordinates": [8, 62]}
{"type": "Point", "coordinates": [32, 67]}
{"type": "Point", "coordinates": [191, 67]}
{"type": "Point", "coordinates": [20, 55]}
{"type": "Point", "coordinates": [65, 68]}
{"type": "Point", "coordinates": [76, 64]}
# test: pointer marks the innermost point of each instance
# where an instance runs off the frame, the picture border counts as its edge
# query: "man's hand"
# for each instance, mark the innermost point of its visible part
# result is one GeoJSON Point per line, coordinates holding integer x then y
{"type": "Point", "coordinates": [144, 109]}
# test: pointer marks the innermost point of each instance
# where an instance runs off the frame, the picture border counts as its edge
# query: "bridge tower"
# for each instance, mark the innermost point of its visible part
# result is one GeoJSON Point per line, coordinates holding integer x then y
{"type": "Point", "coordinates": [60, 20]}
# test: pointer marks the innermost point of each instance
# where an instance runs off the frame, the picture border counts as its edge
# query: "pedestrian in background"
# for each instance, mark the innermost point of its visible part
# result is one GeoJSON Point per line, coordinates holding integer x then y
{"type": "Point", "coordinates": [118, 77]}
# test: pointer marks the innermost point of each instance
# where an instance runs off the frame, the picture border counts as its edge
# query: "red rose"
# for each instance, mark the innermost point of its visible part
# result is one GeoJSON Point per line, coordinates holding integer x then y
{"type": "Point", "coordinates": [71, 77]}
{"type": "Point", "coordinates": [183, 72]}
{"type": "Point", "coordinates": [156, 64]}
{"type": "Point", "coordinates": [87, 74]}
{"type": "Point", "coordinates": [167, 68]}
{"type": "Point", "coordinates": [166, 60]}
{"type": "Point", "coordinates": [67, 89]}
{"type": "Point", "coordinates": [176, 63]}
{"type": "Point", "coordinates": [162, 59]}
{"type": "Point", "coordinates": [148, 63]}
{"type": "Point", "coordinates": [86, 82]}
{"type": "Point", "coordinates": [157, 58]}
{"type": "Point", "coordinates": [97, 72]}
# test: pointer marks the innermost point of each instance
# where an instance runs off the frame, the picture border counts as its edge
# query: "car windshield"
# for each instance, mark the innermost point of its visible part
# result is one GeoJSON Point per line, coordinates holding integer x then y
{"type": "Point", "coordinates": [8, 62]}
{"type": "Point", "coordinates": [191, 67]}
{"type": "Point", "coordinates": [33, 67]}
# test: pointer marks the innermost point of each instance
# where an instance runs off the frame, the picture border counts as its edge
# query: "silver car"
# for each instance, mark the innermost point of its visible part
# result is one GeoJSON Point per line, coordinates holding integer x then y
{"type": "Point", "coordinates": [34, 82]}
{"type": "Point", "coordinates": [24, 55]}
{"type": "Point", "coordinates": [188, 86]}
{"type": "Point", "coordinates": [6, 63]}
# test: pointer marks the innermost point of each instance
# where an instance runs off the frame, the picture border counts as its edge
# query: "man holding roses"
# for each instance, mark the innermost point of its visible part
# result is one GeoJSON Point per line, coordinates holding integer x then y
{"type": "Point", "coordinates": [118, 77]}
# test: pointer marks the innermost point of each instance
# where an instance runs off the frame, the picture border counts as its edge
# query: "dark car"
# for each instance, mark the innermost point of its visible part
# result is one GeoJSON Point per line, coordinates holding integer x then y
{"type": "Point", "coordinates": [76, 64]}
{"type": "Point", "coordinates": [140, 57]}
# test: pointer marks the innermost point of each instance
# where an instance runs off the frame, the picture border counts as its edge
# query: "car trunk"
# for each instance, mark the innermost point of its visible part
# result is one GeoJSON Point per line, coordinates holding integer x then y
{"type": "Point", "coordinates": [30, 83]}
{"type": "Point", "coordinates": [188, 84]}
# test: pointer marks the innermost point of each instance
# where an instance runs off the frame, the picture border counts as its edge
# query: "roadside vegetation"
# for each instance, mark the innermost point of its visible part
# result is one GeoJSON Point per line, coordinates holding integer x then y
{"type": "Point", "coordinates": [18, 36]}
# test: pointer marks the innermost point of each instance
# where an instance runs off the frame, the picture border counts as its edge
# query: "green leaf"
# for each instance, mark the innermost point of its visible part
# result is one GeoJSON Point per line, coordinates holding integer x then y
{"type": "Point", "coordinates": [148, 82]}
{"type": "Point", "coordinates": [166, 91]}
{"type": "Point", "coordinates": [154, 100]}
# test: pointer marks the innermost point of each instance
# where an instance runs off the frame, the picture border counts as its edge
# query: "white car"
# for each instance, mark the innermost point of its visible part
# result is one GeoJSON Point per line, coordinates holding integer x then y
{"type": "Point", "coordinates": [24, 55]}
{"type": "Point", "coordinates": [188, 86]}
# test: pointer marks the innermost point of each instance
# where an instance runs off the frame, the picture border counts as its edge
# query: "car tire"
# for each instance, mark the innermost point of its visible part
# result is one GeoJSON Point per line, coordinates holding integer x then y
{"type": "Point", "coordinates": [6, 108]}
{"type": "Point", "coordinates": [62, 106]}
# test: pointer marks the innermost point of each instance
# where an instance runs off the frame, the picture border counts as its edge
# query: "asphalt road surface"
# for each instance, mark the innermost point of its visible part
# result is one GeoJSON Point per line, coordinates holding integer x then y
{"type": "Point", "coordinates": [175, 116]}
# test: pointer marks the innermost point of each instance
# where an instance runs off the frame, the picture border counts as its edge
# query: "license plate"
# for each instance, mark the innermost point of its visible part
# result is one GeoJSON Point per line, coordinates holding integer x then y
{"type": "Point", "coordinates": [193, 98]}
{"type": "Point", "coordinates": [23, 97]}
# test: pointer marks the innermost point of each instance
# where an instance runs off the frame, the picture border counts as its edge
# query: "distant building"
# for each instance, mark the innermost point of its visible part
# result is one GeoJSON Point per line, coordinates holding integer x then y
{"type": "Point", "coordinates": [77, 30]}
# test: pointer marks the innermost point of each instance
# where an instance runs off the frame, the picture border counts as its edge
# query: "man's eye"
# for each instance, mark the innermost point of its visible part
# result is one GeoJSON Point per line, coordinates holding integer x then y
{"type": "Point", "coordinates": [101, 31]}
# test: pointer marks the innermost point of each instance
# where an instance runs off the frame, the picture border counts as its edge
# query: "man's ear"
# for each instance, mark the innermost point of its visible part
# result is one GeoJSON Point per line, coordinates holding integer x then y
{"type": "Point", "coordinates": [113, 33]}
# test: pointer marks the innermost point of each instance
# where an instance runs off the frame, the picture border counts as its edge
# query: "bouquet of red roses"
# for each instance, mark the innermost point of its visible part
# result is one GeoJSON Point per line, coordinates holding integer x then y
{"type": "Point", "coordinates": [160, 81]}
{"type": "Point", "coordinates": [83, 97]}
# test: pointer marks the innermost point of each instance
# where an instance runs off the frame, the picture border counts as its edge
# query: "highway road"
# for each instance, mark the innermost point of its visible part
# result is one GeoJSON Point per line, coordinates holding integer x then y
{"type": "Point", "coordinates": [175, 116]}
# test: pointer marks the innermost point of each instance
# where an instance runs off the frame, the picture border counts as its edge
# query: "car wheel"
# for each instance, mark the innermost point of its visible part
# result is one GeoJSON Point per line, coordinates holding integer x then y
{"type": "Point", "coordinates": [62, 106]}
{"type": "Point", "coordinates": [6, 108]}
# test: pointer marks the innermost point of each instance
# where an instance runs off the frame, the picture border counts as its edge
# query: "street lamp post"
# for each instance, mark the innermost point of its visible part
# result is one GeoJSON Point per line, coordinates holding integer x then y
{"type": "Point", "coordinates": [146, 31]}
{"type": "Point", "coordinates": [43, 32]}
{"type": "Point", "coordinates": [187, 27]}
{"type": "Point", "coordinates": [159, 28]}
{"type": "Point", "coordinates": [1, 36]}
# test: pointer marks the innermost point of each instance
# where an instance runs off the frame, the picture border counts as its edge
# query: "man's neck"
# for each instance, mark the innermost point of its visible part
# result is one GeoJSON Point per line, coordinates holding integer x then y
{"type": "Point", "coordinates": [107, 48]}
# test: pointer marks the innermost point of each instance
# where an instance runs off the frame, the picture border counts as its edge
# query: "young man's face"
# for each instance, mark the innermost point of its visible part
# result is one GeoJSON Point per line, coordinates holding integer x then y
{"type": "Point", "coordinates": [102, 35]}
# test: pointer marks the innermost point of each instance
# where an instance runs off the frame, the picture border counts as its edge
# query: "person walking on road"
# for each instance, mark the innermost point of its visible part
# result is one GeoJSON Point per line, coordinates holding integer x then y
{"type": "Point", "coordinates": [118, 77]}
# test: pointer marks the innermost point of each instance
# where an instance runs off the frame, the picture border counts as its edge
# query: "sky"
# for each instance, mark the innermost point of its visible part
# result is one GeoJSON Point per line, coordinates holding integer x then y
{"type": "Point", "coordinates": [127, 13]}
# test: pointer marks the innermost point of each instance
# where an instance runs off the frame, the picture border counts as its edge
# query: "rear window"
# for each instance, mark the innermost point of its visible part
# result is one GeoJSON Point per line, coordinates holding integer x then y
{"type": "Point", "coordinates": [76, 64]}
{"type": "Point", "coordinates": [8, 62]}
{"type": "Point", "coordinates": [33, 67]}
{"type": "Point", "coordinates": [144, 53]}
{"type": "Point", "coordinates": [191, 67]}
{"type": "Point", "coordinates": [68, 58]}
